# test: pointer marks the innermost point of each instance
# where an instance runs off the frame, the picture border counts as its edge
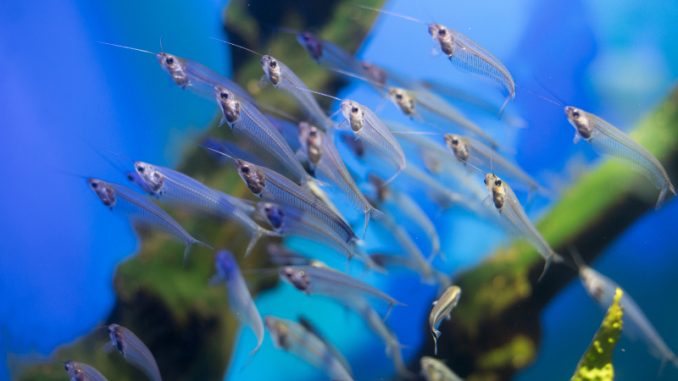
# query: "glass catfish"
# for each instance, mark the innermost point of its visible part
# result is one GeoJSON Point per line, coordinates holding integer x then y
{"type": "Point", "coordinates": [607, 139]}
{"type": "Point", "coordinates": [442, 309]}
{"type": "Point", "coordinates": [466, 54]}
{"type": "Point", "coordinates": [296, 339]}
{"type": "Point", "coordinates": [133, 350]}
{"type": "Point", "coordinates": [141, 211]}
{"type": "Point", "coordinates": [78, 371]}
{"type": "Point", "coordinates": [178, 189]}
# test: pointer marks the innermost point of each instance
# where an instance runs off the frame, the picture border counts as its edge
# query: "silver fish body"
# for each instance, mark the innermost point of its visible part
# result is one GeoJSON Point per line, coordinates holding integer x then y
{"type": "Point", "coordinates": [134, 351]}
{"type": "Point", "coordinates": [467, 55]}
{"type": "Point", "coordinates": [274, 187]}
{"type": "Point", "coordinates": [246, 120]}
{"type": "Point", "coordinates": [511, 211]}
{"type": "Point", "coordinates": [239, 297]}
{"type": "Point", "coordinates": [435, 370]}
{"type": "Point", "coordinates": [442, 309]}
{"type": "Point", "coordinates": [78, 371]}
{"type": "Point", "coordinates": [282, 77]}
{"type": "Point", "coordinates": [476, 154]}
{"type": "Point", "coordinates": [314, 280]}
{"type": "Point", "coordinates": [369, 128]}
{"type": "Point", "coordinates": [320, 149]}
{"type": "Point", "coordinates": [178, 189]}
{"type": "Point", "coordinates": [636, 324]}
{"type": "Point", "coordinates": [607, 139]}
{"type": "Point", "coordinates": [140, 210]}
{"type": "Point", "coordinates": [299, 341]}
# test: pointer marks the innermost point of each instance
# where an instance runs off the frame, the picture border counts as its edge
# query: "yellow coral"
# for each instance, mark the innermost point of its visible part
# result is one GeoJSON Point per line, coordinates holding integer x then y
{"type": "Point", "coordinates": [596, 364]}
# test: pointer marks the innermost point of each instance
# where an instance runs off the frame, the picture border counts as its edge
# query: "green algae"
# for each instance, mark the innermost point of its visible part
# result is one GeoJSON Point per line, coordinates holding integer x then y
{"type": "Point", "coordinates": [596, 363]}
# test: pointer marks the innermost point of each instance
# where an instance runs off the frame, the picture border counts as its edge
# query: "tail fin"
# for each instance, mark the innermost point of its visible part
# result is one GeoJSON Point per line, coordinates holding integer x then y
{"type": "Point", "coordinates": [547, 265]}
{"type": "Point", "coordinates": [436, 334]}
{"type": "Point", "coordinates": [664, 194]}
{"type": "Point", "coordinates": [189, 245]}
{"type": "Point", "coordinates": [370, 214]}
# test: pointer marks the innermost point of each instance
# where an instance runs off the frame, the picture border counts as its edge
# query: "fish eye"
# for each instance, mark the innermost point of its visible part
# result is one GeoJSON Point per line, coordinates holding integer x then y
{"type": "Point", "coordinates": [223, 95]}
{"type": "Point", "coordinates": [576, 114]}
{"type": "Point", "coordinates": [455, 141]}
{"type": "Point", "coordinates": [497, 182]}
{"type": "Point", "coordinates": [354, 110]}
{"type": "Point", "coordinates": [140, 169]}
{"type": "Point", "coordinates": [442, 32]}
{"type": "Point", "coordinates": [169, 61]}
{"type": "Point", "coordinates": [245, 170]}
{"type": "Point", "coordinates": [399, 96]}
{"type": "Point", "coordinates": [273, 64]}
{"type": "Point", "coordinates": [95, 185]}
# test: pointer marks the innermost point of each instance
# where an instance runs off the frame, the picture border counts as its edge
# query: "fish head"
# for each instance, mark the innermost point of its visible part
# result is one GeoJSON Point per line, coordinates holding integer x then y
{"type": "Point", "coordinates": [225, 264]}
{"type": "Point", "coordinates": [311, 43]}
{"type": "Point", "coordinates": [175, 67]}
{"type": "Point", "coordinates": [152, 179]}
{"type": "Point", "coordinates": [579, 119]}
{"type": "Point", "coordinates": [443, 36]}
{"type": "Point", "coordinates": [272, 214]}
{"type": "Point", "coordinates": [402, 99]}
{"type": "Point", "coordinates": [312, 140]}
{"type": "Point", "coordinates": [115, 335]}
{"type": "Point", "coordinates": [297, 277]}
{"type": "Point", "coordinates": [279, 330]}
{"type": "Point", "coordinates": [104, 191]}
{"type": "Point", "coordinates": [228, 103]}
{"type": "Point", "coordinates": [354, 114]}
{"type": "Point", "coordinates": [458, 147]}
{"type": "Point", "coordinates": [74, 371]}
{"type": "Point", "coordinates": [253, 176]}
{"type": "Point", "coordinates": [431, 368]}
{"type": "Point", "coordinates": [592, 281]}
{"type": "Point", "coordinates": [271, 68]}
{"type": "Point", "coordinates": [496, 187]}
{"type": "Point", "coordinates": [375, 73]}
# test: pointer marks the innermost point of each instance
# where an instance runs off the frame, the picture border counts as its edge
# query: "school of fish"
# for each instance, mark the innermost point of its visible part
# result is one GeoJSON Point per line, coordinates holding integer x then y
{"type": "Point", "coordinates": [297, 176]}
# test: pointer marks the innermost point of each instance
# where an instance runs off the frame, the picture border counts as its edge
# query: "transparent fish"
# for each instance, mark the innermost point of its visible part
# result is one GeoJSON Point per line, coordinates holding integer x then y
{"type": "Point", "coordinates": [141, 211]}
{"type": "Point", "coordinates": [393, 346]}
{"type": "Point", "coordinates": [421, 264]}
{"type": "Point", "coordinates": [437, 111]}
{"type": "Point", "coordinates": [134, 351]}
{"type": "Point", "coordinates": [290, 221]}
{"type": "Point", "coordinates": [509, 208]}
{"type": "Point", "coordinates": [481, 157]}
{"type": "Point", "coordinates": [328, 282]}
{"type": "Point", "coordinates": [177, 189]}
{"type": "Point", "coordinates": [299, 341]}
{"type": "Point", "coordinates": [282, 77]}
{"type": "Point", "coordinates": [467, 55]}
{"type": "Point", "coordinates": [636, 324]}
{"type": "Point", "coordinates": [400, 204]}
{"type": "Point", "coordinates": [368, 127]}
{"type": "Point", "coordinates": [607, 139]}
{"type": "Point", "coordinates": [435, 370]}
{"type": "Point", "coordinates": [239, 298]}
{"type": "Point", "coordinates": [192, 75]}
{"type": "Point", "coordinates": [246, 120]}
{"type": "Point", "coordinates": [319, 148]}
{"type": "Point", "coordinates": [442, 309]}
{"type": "Point", "coordinates": [327, 53]}
{"type": "Point", "coordinates": [272, 186]}
{"type": "Point", "coordinates": [78, 371]}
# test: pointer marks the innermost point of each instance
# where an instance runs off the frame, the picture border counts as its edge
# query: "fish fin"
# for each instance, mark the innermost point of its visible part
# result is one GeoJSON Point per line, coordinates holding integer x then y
{"type": "Point", "coordinates": [108, 347]}
{"type": "Point", "coordinates": [547, 265]}
{"type": "Point", "coordinates": [436, 335]}
{"type": "Point", "coordinates": [256, 235]}
{"type": "Point", "coordinates": [664, 195]}
{"type": "Point", "coordinates": [576, 138]}
{"type": "Point", "coordinates": [508, 99]}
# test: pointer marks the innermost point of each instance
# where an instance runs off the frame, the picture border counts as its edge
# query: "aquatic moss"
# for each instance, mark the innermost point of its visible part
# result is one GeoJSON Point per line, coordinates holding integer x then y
{"type": "Point", "coordinates": [596, 364]}
{"type": "Point", "coordinates": [518, 353]}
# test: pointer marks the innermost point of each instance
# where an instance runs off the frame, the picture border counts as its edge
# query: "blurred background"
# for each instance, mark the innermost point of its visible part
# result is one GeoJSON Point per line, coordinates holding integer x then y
{"type": "Point", "coordinates": [63, 93]}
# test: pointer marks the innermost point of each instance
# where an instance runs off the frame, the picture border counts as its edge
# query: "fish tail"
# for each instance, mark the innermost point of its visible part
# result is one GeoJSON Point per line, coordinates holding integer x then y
{"type": "Point", "coordinates": [370, 213]}
{"type": "Point", "coordinates": [256, 235]}
{"type": "Point", "coordinates": [664, 194]}
{"type": "Point", "coordinates": [436, 334]}
{"type": "Point", "coordinates": [547, 265]}
{"type": "Point", "coordinates": [189, 246]}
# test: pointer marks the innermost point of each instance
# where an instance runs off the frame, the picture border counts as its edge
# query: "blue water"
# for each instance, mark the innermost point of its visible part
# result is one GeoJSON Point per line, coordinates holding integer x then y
{"type": "Point", "coordinates": [63, 92]}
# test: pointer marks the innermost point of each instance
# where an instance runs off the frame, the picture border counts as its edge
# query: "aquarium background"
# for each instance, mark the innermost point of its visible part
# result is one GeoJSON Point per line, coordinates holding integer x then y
{"type": "Point", "coordinates": [64, 93]}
